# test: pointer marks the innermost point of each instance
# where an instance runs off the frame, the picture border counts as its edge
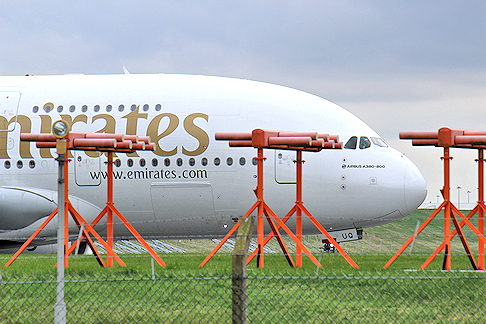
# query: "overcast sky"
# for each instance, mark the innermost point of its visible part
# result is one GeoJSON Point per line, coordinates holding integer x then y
{"type": "Point", "coordinates": [409, 65]}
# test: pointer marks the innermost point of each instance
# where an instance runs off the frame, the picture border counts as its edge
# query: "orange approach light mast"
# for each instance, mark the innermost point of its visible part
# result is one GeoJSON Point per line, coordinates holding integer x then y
{"type": "Point", "coordinates": [296, 141]}
{"type": "Point", "coordinates": [455, 138]}
{"type": "Point", "coordinates": [101, 142]}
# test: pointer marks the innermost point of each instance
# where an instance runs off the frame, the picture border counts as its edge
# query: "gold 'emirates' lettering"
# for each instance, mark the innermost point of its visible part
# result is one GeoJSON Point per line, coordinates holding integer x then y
{"type": "Point", "coordinates": [153, 132]}
{"type": "Point", "coordinates": [197, 132]}
{"type": "Point", "coordinates": [109, 127]}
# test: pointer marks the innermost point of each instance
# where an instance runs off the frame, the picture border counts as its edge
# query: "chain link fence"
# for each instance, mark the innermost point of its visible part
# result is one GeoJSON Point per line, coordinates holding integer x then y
{"type": "Point", "coordinates": [293, 297]}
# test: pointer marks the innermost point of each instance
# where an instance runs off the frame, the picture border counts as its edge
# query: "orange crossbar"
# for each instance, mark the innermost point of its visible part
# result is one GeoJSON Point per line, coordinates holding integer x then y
{"type": "Point", "coordinates": [28, 137]}
{"type": "Point", "coordinates": [92, 142]}
{"type": "Point", "coordinates": [419, 135]}
{"type": "Point", "coordinates": [295, 141]}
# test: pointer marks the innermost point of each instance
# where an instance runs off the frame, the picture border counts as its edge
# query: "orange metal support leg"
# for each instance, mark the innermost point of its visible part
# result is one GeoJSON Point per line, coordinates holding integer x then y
{"type": "Point", "coordinates": [270, 235]}
{"type": "Point", "coordinates": [328, 237]}
{"type": "Point", "coordinates": [231, 232]}
{"type": "Point", "coordinates": [447, 210]}
{"type": "Point", "coordinates": [464, 242]}
{"type": "Point", "coordinates": [109, 212]}
{"type": "Point", "coordinates": [86, 230]}
{"type": "Point", "coordinates": [279, 239]}
{"type": "Point", "coordinates": [31, 238]}
{"type": "Point", "coordinates": [259, 193]}
{"type": "Point", "coordinates": [66, 213]}
{"type": "Point", "coordinates": [409, 241]}
{"type": "Point", "coordinates": [298, 212]}
{"type": "Point", "coordinates": [289, 232]}
{"type": "Point", "coordinates": [138, 236]}
{"type": "Point", "coordinates": [481, 207]}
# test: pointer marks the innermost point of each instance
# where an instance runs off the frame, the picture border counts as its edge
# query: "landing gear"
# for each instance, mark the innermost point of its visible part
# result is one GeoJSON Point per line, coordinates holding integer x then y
{"type": "Point", "coordinates": [328, 247]}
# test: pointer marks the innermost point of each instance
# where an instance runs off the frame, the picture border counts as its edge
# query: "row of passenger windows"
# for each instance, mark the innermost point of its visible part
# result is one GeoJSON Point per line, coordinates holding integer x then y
{"type": "Point", "coordinates": [48, 107]}
{"type": "Point", "coordinates": [192, 162]}
{"type": "Point", "coordinates": [364, 142]}
{"type": "Point", "coordinates": [20, 164]}
{"type": "Point", "coordinates": [155, 162]}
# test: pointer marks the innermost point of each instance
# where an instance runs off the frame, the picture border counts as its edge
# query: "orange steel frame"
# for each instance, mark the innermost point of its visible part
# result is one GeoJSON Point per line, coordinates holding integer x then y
{"type": "Point", "coordinates": [78, 219]}
{"type": "Point", "coordinates": [298, 209]}
{"type": "Point", "coordinates": [262, 210]}
{"type": "Point", "coordinates": [451, 212]}
{"type": "Point", "coordinates": [480, 208]}
{"type": "Point", "coordinates": [272, 218]}
{"type": "Point", "coordinates": [110, 210]}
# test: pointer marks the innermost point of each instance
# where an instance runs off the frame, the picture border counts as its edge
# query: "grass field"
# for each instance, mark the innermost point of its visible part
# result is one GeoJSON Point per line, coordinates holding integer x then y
{"type": "Point", "coordinates": [181, 292]}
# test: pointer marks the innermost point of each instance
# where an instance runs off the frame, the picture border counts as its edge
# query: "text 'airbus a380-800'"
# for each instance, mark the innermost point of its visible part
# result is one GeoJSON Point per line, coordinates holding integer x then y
{"type": "Point", "coordinates": [191, 186]}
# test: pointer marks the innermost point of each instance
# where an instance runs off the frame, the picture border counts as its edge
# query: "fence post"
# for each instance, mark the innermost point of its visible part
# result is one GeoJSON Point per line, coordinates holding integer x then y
{"type": "Point", "coordinates": [240, 253]}
{"type": "Point", "coordinates": [60, 306]}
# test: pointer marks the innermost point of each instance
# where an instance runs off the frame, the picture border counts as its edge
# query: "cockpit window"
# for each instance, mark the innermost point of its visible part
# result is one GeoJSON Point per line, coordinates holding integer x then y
{"type": "Point", "coordinates": [351, 143]}
{"type": "Point", "coordinates": [364, 142]}
{"type": "Point", "coordinates": [378, 141]}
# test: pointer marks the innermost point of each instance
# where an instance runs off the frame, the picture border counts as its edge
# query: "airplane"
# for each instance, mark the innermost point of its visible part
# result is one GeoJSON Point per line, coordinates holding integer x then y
{"type": "Point", "coordinates": [191, 186]}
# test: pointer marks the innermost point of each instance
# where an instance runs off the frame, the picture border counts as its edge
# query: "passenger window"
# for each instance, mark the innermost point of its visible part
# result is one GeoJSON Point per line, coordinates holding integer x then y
{"type": "Point", "coordinates": [133, 107]}
{"type": "Point", "coordinates": [229, 161]}
{"type": "Point", "coordinates": [84, 108]}
{"type": "Point", "coordinates": [364, 142]}
{"type": "Point", "coordinates": [242, 161]}
{"type": "Point", "coordinates": [179, 162]}
{"type": "Point", "coordinates": [379, 142]}
{"type": "Point", "coordinates": [145, 107]}
{"type": "Point", "coordinates": [72, 108]}
{"type": "Point", "coordinates": [192, 161]}
{"type": "Point", "coordinates": [48, 107]}
{"type": "Point", "coordinates": [204, 161]}
{"type": "Point", "coordinates": [7, 164]}
{"type": "Point", "coordinates": [142, 162]}
{"type": "Point", "coordinates": [60, 108]}
{"type": "Point", "coordinates": [167, 162]}
{"type": "Point", "coordinates": [109, 108]}
{"type": "Point", "coordinates": [351, 144]}
{"type": "Point", "coordinates": [217, 161]}
{"type": "Point", "coordinates": [155, 162]}
{"type": "Point", "coordinates": [121, 108]}
{"type": "Point", "coordinates": [96, 108]}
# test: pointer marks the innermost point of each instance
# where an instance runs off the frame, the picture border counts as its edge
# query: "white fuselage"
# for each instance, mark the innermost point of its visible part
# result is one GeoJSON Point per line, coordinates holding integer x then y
{"type": "Point", "coordinates": [179, 190]}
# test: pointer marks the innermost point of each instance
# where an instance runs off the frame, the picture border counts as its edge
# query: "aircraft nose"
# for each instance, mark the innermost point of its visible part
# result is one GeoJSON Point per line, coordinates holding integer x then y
{"type": "Point", "coordinates": [415, 188]}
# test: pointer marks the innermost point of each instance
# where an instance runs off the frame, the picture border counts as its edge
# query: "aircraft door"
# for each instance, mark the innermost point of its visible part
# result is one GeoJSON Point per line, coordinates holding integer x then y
{"type": "Point", "coordinates": [191, 201]}
{"type": "Point", "coordinates": [285, 166]}
{"type": "Point", "coordinates": [87, 170]}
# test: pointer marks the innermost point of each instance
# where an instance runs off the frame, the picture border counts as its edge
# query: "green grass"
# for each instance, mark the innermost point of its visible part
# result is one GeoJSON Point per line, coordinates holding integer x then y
{"type": "Point", "coordinates": [184, 293]}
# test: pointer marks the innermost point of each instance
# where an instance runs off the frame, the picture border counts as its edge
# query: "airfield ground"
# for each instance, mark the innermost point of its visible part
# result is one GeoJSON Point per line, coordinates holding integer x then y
{"type": "Point", "coordinates": [183, 293]}
{"type": "Point", "coordinates": [371, 253]}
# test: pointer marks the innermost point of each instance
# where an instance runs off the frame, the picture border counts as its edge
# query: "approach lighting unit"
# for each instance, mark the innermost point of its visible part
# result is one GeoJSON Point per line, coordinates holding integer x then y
{"type": "Point", "coordinates": [60, 128]}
